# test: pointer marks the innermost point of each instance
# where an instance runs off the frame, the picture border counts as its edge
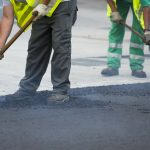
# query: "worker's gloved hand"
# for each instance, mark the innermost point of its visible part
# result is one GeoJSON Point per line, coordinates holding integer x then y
{"type": "Point", "coordinates": [115, 16]}
{"type": "Point", "coordinates": [147, 37]}
{"type": "Point", "coordinates": [41, 9]}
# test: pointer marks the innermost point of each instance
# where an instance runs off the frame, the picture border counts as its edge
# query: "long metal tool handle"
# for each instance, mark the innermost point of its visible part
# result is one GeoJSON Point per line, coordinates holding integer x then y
{"type": "Point", "coordinates": [13, 39]}
{"type": "Point", "coordinates": [133, 30]}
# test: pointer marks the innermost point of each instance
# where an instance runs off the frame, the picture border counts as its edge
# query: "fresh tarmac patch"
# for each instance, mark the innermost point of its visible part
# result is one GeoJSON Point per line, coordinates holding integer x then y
{"type": "Point", "coordinates": [91, 96]}
{"type": "Point", "coordinates": [96, 118]}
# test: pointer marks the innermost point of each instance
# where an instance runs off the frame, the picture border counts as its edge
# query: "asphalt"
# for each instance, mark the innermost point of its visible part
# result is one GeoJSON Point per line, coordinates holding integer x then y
{"type": "Point", "coordinates": [104, 117]}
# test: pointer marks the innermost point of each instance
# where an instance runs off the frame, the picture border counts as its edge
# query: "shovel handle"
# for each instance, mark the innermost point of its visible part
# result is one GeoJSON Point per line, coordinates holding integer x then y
{"type": "Point", "coordinates": [13, 39]}
{"type": "Point", "coordinates": [133, 30]}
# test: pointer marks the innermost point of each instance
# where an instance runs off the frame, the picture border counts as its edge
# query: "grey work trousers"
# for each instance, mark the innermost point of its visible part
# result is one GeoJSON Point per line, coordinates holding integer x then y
{"type": "Point", "coordinates": [50, 33]}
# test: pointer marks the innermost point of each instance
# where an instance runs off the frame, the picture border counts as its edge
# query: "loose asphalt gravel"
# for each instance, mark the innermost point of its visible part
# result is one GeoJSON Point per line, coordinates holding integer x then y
{"type": "Point", "coordinates": [96, 118]}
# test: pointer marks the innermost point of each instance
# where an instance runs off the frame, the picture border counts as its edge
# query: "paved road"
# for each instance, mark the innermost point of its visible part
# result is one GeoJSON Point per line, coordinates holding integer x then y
{"type": "Point", "coordinates": [96, 118]}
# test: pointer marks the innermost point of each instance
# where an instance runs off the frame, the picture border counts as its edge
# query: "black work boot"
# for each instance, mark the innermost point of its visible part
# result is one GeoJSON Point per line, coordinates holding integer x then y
{"type": "Point", "coordinates": [110, 72]}
{"type": "Point", "coordinates": [19, 96]}
{"type": "Point", "coordinates": [58, 97]}
{"type": "Point", "coordinates": [139, 73]}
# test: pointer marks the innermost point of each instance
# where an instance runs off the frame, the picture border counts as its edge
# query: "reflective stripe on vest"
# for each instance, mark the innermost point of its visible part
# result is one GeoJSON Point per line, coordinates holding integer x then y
{"type": "Point", "coordinates": [136, 57]}
{"type": "Point", "coordinates": [114, 55]}
{"type": "Point", "coordinates": [52, 6]}
{"type": "Point", "coordinates": [115, 45]}
{"type": "Point", "coordinates": [137, 46]}
{"type": "Point", "coordinates": [22, 12]}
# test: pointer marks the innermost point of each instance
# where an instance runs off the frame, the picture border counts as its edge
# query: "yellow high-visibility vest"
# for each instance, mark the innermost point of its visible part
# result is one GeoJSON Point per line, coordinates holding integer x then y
{"type": "Point", "coordinates": [137, 9]}
{"type": "Point", "coordinates": [138, 12]}
{"type": "Point", "coordinates": [23, 11]}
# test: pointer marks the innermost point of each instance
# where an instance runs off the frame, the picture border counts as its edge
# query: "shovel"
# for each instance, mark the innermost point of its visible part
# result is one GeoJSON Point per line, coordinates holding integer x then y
{"type": "Point", "coordinates": [134, 31]}
{"type": "Point", "coordinates": [13, 39]}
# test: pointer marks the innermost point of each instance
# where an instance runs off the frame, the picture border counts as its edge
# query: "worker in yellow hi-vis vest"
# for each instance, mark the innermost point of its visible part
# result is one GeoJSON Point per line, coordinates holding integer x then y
{"type": "Point", "coordinates": [50, 30]}
{"type": "Point", "coordinates": [118, 11]}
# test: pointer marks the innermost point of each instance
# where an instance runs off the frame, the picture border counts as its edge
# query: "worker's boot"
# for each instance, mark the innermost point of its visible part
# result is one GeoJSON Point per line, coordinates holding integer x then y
{"type": "Point", "coordinates": [19, 96]}
{"type": "Point", "coordinates": [58, 97]}
{"type": "Point", "coordinates": [110, 72]}
{"type": "Point", "coordinates": [139, 73]}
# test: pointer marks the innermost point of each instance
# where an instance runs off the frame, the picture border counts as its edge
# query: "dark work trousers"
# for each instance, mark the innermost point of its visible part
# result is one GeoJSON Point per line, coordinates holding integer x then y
{"type": "Point", "coordinates": [50, 33]}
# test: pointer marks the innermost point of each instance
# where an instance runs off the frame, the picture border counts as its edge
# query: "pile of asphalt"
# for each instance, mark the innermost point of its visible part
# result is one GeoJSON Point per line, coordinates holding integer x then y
{"type": "Point", "coordinates": [89, 97]}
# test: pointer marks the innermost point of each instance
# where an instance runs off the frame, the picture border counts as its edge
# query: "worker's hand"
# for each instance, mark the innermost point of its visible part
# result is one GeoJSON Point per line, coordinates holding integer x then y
{"type": "Point", "coordinates": [115, 16]}
{"type": "Point", "coordinates": [41, 9]}
{"type": "Point", "coordinates": [147, 37]}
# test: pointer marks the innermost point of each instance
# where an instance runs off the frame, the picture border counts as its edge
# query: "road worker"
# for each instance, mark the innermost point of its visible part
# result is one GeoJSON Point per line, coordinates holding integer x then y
{"type": "Point", "coordinates": [50, 30]}
{"type": "Point", "coordinates": [118, 11]}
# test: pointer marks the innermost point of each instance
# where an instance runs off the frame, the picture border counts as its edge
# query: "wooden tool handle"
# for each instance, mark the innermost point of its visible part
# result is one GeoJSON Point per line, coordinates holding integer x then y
{"type": "Point", "coordinates": [12, 40]}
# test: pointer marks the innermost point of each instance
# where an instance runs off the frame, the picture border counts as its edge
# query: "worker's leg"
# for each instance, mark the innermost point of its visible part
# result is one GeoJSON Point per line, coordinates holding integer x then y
{"type": "Point", "coordinates": [116, 36]}
{"type": "Point", "coordinates": [136, 47]}
{"type": "Point", "coordinates": [61, 40]}
{"type": "Point", "coordinates": [38, 55]}
{"type": "Point", "coordinates": [61, 35]}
